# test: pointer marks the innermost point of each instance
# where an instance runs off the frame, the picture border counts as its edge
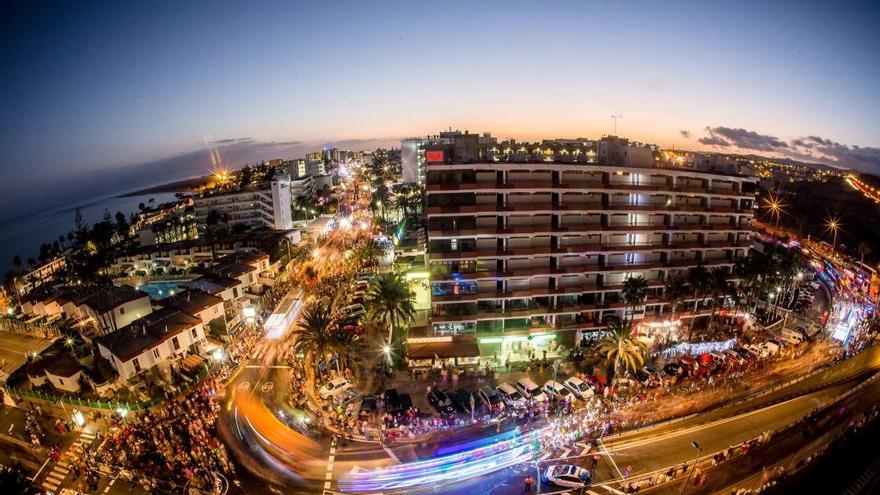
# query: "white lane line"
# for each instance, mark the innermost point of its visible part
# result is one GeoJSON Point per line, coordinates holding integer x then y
{"type": "Point", "coordinates": [565, 453]}
{"type": "Point", "coordinates": [684, 431]}
{"type": "Point", "coordinates": [605, 449]}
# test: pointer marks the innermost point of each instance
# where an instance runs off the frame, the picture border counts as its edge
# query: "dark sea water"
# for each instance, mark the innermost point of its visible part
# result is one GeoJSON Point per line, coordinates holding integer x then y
{"type": "Point", "coordinates": [23, 236]}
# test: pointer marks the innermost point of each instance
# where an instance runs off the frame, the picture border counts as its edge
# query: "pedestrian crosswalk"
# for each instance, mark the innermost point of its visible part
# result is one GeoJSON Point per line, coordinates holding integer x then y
{"type": "Point", "coordinates": [55, 478]}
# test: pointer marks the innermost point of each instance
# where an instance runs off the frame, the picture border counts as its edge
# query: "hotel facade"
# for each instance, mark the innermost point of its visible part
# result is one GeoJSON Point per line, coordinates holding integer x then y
{"type": "Point", "coordinates": [532, 242]}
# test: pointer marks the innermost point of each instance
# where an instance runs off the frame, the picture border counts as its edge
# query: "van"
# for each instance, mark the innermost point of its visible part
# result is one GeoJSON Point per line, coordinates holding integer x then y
{"type": "Point", "coordinates": [530, 390]}
{"type": "Point", "coordinates": [511, 396]}
{"type": "Point", "coordinates": [792, 337]}
{"type": "Point", "coordinates": [719, 358]}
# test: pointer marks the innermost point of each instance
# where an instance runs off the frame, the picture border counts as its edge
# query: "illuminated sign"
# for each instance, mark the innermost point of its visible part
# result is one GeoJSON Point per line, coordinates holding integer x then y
{"type": "Point", "coordinates": [434, 156]}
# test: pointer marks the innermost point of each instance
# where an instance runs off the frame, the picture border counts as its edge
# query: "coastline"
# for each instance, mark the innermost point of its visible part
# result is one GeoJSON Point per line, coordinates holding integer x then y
{"type": "Point", "coordinates": [185, 185]}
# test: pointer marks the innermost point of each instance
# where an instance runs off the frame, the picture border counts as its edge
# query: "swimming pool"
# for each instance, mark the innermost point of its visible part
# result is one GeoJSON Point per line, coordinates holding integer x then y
{"type": "Point", "coordinates": [160, 289]}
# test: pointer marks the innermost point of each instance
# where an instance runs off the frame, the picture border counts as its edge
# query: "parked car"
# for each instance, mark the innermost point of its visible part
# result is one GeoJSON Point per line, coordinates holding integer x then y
{"type": "Point", "coordinates": [734, 357]}
{"type": "Point", "coordinates": [719, 357]}
{"type": "Point", "coordinates": [441, 402]}
{"type": "Point", "coordinates": [396, 403]}
{"type": "Point", "coordinates": [770, 348]}
{"type": "Point", "coordinates": [511, 396]}
{"type": "Point", "coordinates": [578, 387]}
{"type": "Point", "coordinates": [461, 399]}
{"type": "Point", "coordinates": [673, 369]}
{"type": "Point", "coordinates": [755, 351]}
{"type": "Point", "coordinates": [368, 404]}
{"type": "Point", "coordinates": [530, 390]}
{"type": "Point", "coordinates": [334, 388]}
{"type": "Point", "coordinates": [491, 399]}
{"type": "Point", "coordinates": [557, 390]}
{"type": "Point", "coordinates": [567, 476]}
{"type": "Point", "coordinates": [353, 310]}
{"type": "Point", "coordinates": [792, 337]}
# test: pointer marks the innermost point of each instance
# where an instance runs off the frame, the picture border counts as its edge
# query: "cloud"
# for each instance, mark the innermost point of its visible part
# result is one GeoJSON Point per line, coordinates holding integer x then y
{"type": "Point", "coordinates": [685, 134]}
{"type": "Point", "coordinates": [233, 140]}
{"type": "Point", "coordinates": [805, 148]}
{"type": "Point", "coordinates": [742, 138]}
{"type": "Point", "coordinates": [865, 159]}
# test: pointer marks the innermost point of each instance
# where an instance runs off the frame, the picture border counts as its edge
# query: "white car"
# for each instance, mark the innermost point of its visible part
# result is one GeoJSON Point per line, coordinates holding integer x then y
{"type": "Point", "coordinates": [334, 388]}
{"type": "Point", "coordinates": [568, 476]}
{"type": "Point", "coordinates": [769, 348]}
{"type": "Point", "coordinates": [530, 390]}
{"type": "Point", "coordinates": [557, 390]}
{"type": "Point", "coordinates": [511, 396]}
{"type": "Point", "coordinates": [578, 387]}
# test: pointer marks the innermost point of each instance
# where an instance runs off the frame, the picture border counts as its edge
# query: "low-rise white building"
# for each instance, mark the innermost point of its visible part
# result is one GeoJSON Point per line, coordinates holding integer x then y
{"type": "Point", "coordinates": [105, 311]}
{"type": "Point", "coordinates": [154, 340]}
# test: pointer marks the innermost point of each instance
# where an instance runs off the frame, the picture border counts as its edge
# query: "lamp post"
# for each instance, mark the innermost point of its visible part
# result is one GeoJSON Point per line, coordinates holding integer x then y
{"type": "Point", "coordinates": [833, 225]}
{"type": "Point", "coordinates": [699, 450]}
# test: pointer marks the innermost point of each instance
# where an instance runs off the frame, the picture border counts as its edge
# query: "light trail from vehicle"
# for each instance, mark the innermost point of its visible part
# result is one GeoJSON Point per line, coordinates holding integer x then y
{"type": "Point", "coordinates": [453, 468]}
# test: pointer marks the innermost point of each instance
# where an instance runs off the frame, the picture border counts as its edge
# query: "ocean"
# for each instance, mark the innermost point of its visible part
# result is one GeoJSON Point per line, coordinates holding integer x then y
{"type": "Point", "coordinates": [23, 236]}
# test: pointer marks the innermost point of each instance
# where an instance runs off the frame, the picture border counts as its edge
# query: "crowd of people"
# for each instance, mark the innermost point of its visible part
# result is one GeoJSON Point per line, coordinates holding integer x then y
{"type": "Point", "coordinates": [175, 445]}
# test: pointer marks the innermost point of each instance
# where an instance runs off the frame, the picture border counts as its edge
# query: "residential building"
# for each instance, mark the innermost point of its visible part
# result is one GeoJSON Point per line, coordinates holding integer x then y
{"type": "Point", "coordinates": [38, 275]}
{"type": "Point", "coordinates": [267, 205]}
{"type": "Point", "coordinates": [532, 242]}
{"type": "Point", "coordinates": [206, 307]}
{"type": "Point", "coordinates": [154, 340]}
{"type": "Point", "coordinates": [416, 152]}
{"type": "Point", "coordinates": [103, 311]}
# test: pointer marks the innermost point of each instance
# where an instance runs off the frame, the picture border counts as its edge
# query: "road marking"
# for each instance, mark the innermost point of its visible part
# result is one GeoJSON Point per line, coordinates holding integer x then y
{"type": "Point", "coordinates": [565, 453]}
{"type": "Point", "coordinates": [605, 449]}
{"type": "Point", "coordinates": [545, 456]}
{"type": "Point", "coordinates": [585, 448]}
{"type": "Point", "coordinates": [638, 443]}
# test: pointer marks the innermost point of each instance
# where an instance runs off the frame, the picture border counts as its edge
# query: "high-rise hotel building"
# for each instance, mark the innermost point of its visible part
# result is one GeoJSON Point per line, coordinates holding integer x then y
{"type": "Point", "coordinates": [538, 238]}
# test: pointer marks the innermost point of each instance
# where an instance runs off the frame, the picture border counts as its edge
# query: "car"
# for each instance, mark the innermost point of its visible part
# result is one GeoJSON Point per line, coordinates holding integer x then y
{"type": "Point", "coordinates": [567, 476]}
{"type": "Point", "coordinates": [511, 396]}
{"type": "Point", "coordinates": [353, 309]}
{"type": "Point", "coordinates": [792, 337]}
{"type": "Point", "coordinates": [557, 390]}
{"type": "Point", "coordinates": [755, 351]}
{"type": "Point", "coordinates": [719, 358]}
{"type": "Point", "coordinates": [356, 299]}
{"type": "Point", "coordinates": [396, 403]}
{"type": "Point", "coordinates": [642, 376]}
{"type": "Point", "coordinates": [770, 348]}
{"type": "Point", "coordinates": [530, 390]}
{"type": "Point", "coordinates": [369, 404]}
{"type": "Point", "coordinates": [491, 399]}
{"type": "Point", "coordinates": [578, 387]}
{"type": "Point", "coordinates": [463, 400]}
{"type": "Point", "coordinates": [361, 285]}
{"type": "Point", "coordinates": [334, 387]}
{"type": "Point", "coordinates": [441, 402]}
{"type": "Point", "coordinates": [673, 369]}
{"type": "Point", "coordinates": [689, 364]}
{"type": "Point", "coordinates": [733, 357]}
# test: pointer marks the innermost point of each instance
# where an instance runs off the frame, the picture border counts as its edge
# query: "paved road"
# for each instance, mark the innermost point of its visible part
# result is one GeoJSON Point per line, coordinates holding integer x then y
{"type": "Point", "coordinates": [14, 348]}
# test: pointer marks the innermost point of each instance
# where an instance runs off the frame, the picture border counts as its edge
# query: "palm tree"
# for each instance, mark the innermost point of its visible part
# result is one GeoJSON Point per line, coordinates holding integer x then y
{"type": "Point", "coordinates": [368, 252]}
{"type": "Point", "coordinates": [313, 333]}
{"type": "Point", "coordinates": [863, 248]}
{"type": "Point", "coordinates": [635, 290]}
{"type": "Point", "coordinates": [622, 347]}
{"type": "Point", "coordinates": [303, 204]}
{"type": "Point", "coordinates": [719, 286]}
{"type": "Point", "coordinates": [674, 291]}
{"type": "Point", "coordinates": [698, 279]}
{"type": "Point", "coordinates": [381, 197]}
{"type": "Point", "coordinates": [389, 302]}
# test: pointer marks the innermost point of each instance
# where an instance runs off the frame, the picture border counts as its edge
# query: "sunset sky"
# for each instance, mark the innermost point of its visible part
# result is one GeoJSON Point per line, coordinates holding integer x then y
{"type": "Point", "coordinates": [88, 88]}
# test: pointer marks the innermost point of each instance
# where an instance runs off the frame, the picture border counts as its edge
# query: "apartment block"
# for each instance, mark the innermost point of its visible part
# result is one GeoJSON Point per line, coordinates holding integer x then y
{"type": "Point", "coordinates": [267, 205]}
{"type": "Point", "coordinates": [530, 240]}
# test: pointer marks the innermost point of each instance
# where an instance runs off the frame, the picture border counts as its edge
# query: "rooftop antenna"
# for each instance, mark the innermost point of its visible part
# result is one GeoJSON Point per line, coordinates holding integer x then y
{"type": "Point", "coordinates": [614, 118]}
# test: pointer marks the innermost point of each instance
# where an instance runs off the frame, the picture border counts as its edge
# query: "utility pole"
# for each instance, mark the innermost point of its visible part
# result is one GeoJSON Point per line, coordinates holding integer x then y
{"type": "Point", "coordinates": [614, 118]}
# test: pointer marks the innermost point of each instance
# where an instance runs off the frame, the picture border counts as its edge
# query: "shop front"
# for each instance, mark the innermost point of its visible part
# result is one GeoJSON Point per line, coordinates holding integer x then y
{"type": "Point", "coordinates": [442, 351]}
{"type": "Point", "coordinates": [522, 347]}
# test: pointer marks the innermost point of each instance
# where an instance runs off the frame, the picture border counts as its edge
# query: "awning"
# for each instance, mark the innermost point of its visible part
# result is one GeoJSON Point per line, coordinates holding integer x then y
{"type": "Point", "coordinates": [442, 350]}
{"type": "Point", "coordinates": [192, 362]}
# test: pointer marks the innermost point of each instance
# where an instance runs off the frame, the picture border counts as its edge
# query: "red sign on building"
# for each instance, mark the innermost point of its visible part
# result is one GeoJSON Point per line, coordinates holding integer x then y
{"type": "Point", "coordinates": [434, 156]}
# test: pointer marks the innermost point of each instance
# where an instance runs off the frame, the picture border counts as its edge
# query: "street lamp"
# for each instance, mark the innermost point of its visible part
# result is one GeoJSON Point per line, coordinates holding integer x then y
{"type": "Point", "coordinates": [699, 450]}
{"type": "Point", "coordinates": [775, 205]}
{"type": "Point", "coordinates": [833, 224]}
